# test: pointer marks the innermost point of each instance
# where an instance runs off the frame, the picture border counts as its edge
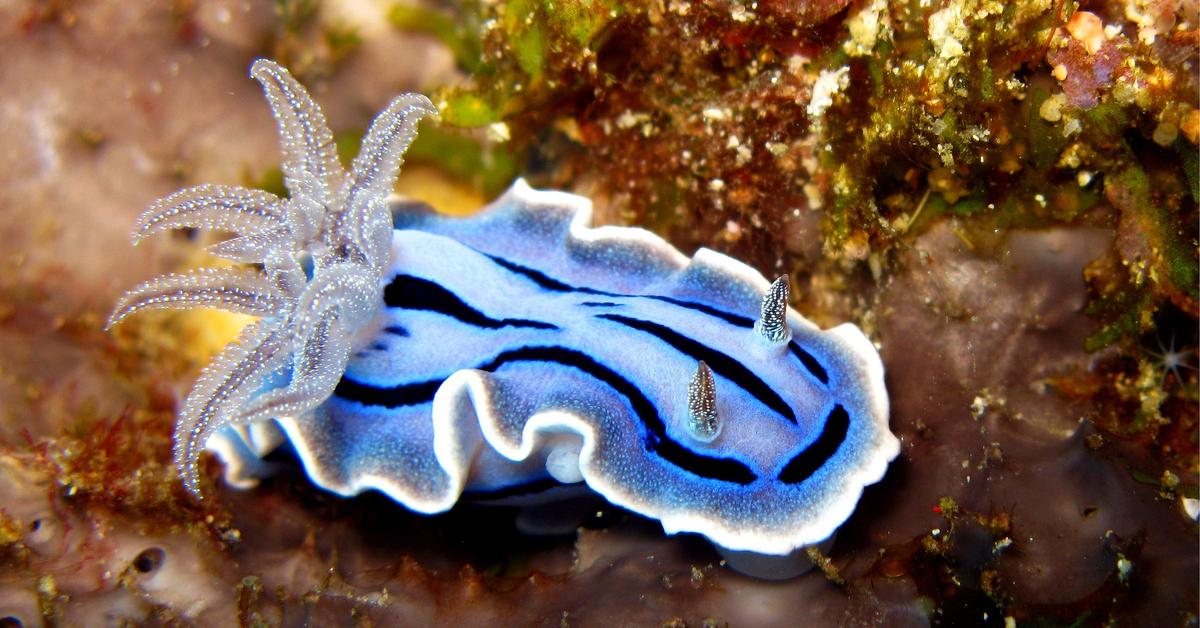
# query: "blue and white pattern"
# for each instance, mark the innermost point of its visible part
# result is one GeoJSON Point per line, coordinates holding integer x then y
{"type": "Point", "coordinates": [514, 350]}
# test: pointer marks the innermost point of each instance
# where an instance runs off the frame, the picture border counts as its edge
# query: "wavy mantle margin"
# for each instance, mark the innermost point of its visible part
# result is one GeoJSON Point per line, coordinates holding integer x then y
{"type": "Point", "coordinates": [456, 433]}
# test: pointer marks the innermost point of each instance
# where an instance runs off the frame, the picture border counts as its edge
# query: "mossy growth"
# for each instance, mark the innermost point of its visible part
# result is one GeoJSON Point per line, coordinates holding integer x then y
{"type": "Point", "coordinates": [519, 53]}
{"type": "Point", "coordinates": [737, 116]}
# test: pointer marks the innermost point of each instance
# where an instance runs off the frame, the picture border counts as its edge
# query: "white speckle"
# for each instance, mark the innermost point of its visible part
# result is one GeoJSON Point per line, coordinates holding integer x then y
{"type": "Point", "coordinates": [743, 156]}
{"type": "Point", "coordinates": [498, 132]}
{"type": "Point", "coordinates": [717, 113]}
{"type": "Point", "coordinates": [1124, 568]}
{"type": "Point", "coordinates": [1051, 109]}
{"type": "Point", "coordinates": [828, 84]}
{"type": "Point", "coordinates": [796, 63]}
{"type": "Point", "coordinates": [1039, 199]}
{"type": "Point", "coordinates": [813, 194]}
{"type": "Point", "coordinates": [716, 185]}
{"type": "Point", "coordinates": [945, 151]}
{"type": "Point", "coordinates": [946, 27]}
{"type": "Point", "coordinates": [979, 405]}
{"type": "Point", "coordinates": [628, 119]}
{"type": "Point", "coordinates": [865, 27]}
{"type": "Point", "coordinates": [1084, 178]}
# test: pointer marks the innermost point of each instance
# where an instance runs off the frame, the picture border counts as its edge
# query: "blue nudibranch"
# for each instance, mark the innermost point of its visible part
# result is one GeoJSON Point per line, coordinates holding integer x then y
{"type": "Point", "coordinates": [430, 357]}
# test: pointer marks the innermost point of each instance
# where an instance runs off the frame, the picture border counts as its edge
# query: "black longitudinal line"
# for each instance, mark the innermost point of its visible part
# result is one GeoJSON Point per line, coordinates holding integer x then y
{"type": "Point", "coordinates": [601, 304]}
{"type": "Point", "coordinates": [412, 394]}
{"type": "Point", "coordinates": [806, 463]}
{"type": "Point", "coordinates": [809, 362]}
{"type": "Point", "coordinates": [415, 293]}
{"type": "Point", "coordinates": [724, 469]}
{"type": "Point", "coordinates": [720, 363]}
{"type": "Point", "coordinates": [728, 317]}
{"type": "Point", "coordinates": [538, 277]}
{"type": "Point", "coordinates": [395, 330]}
{"type": "Point", "coordinates": [549, 283]}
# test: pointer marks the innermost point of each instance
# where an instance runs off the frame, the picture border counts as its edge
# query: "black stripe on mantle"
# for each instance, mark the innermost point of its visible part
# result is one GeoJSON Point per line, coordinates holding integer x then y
{"type": "Point", "coordinates": [547, 282]}
{"type": "Point", "coordinates": [657, 439]}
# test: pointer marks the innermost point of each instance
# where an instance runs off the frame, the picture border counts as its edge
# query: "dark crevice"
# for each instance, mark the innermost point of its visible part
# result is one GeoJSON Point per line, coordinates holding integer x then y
{"type": "Point", "coordinates": [525, 488]}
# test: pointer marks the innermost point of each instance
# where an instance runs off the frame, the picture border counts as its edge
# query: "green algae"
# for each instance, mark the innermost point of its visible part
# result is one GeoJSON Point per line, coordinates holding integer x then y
{"type": "Point", "coordinates": [482, 166]}
{"type": "Point", "coordinates": [459, 35]}
{"type": "Point", "coordinates": [1125, 314]}
{"type": "Point", "coordinates": [296, 14]}
{"type": "Point", "coordinates": [518, 53]}
{"type": "Point", "coordinates": [1163, 250]}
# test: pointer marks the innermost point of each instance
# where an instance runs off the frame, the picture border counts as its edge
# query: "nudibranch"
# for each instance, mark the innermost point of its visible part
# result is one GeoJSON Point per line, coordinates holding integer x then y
{"type": "Point", "coordinates": [431, 357]}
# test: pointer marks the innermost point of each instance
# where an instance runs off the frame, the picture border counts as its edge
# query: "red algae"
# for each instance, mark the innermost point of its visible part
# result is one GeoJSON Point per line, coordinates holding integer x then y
{"type": "Point", "coordinates": [1087, 61]}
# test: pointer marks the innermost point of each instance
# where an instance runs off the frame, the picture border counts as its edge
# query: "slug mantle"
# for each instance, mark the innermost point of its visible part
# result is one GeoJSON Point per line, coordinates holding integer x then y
{"type": "Point", "coordinates": [503, 355]}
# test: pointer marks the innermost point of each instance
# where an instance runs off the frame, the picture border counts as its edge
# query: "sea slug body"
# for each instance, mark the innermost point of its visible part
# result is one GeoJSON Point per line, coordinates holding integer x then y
{"type": "Point", "coordinates": [433, 357]}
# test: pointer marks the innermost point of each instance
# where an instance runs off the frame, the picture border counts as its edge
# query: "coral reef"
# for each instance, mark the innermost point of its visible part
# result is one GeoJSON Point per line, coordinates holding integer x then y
{"type": "Point", "coordinates": [1003, 195]}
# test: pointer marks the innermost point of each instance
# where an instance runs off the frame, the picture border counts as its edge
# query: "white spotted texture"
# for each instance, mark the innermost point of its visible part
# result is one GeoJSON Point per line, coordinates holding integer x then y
{"type": "Point", "coordinates": [290, 360]}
